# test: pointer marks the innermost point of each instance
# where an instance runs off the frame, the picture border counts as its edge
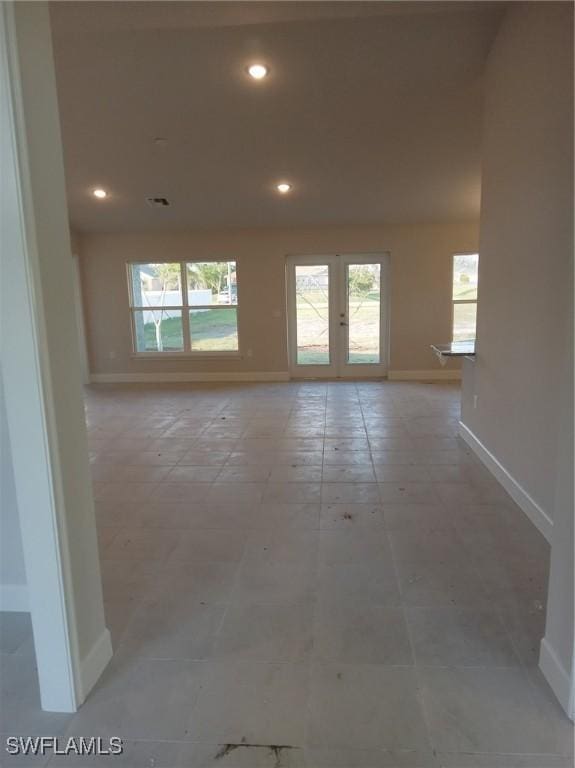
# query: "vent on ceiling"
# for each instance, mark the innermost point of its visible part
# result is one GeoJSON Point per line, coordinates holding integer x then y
{"type": "Point", "coordinates": [158, 202]}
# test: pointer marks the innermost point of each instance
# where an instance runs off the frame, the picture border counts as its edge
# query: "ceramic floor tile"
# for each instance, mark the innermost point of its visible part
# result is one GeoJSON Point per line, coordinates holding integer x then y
{"type": "Point", "coordinates": [292, 493]}
{"type": "Point", "coordinates": [242, 516]}
{"type": "Point", "coordinates": [296, 474]}
{"type": "Point", "coordinates": [371, 581]}
{"type": "Point", "coordinates": [298, 458]}
{"type": "Point", "coordinates": [418, 517]}
{"type": "Point", "coordinates": [15, 628]}
{"type": "Point", "coordinates": [173, 626]}
{"type": "Point", "coordinates": [436, 582]}
{"type": "Point", "coordinates": [407, 491]}
{"type": "Point", "coordinates": [457, 637]}
{"type": "Point", "coordinates": [142, 544]}
{"type": "Point", "coordinates": [249, 458]}
{"type": "Point", "coordinates": [344, 493]}
{"type": "Point", "coordinates": [244, 473]}
{"type": "Point", "coordinates": [275, 582]}
{"type": "Point", "coordinates": [490, 710]}
{"type": "Point", "coordinates": [236, 756]}
{"type": "Point", "coordinates": [346, 516]}
{"type": "Point", "coordinates": [369, 758]}
{"type": "Point", "coordinates": [265, 632]}
{"type": "Point", "coordinates": [257, 703]}
{"type": "Point", "coordinates": [389, 442]}
{"type": "Point", "coordinates": [365, 706]}
{"type": "Point", "coordinates": [288, 545]}
{"type": "Point", "coordinates": [204, 580]}
{"type": "Point", "coordinates": [337, 546]}
{"type": "Point", "coordinates": [514, 579]}
{"type": "Point", "coordinates": [124, 491]}
{"type": "Point", "coordinates": [157, 458]}
{"type": "Point", "coordinates": [118, 612]}
{"type": "Point", "coordinates": [209, 545]}
{"type": "Point", "coordinates": [346, 444]}
{"type": "Point", "coordinates": [25, 757]}
{"type": "Point", "coordinates": [198, 458]}
{"type": "Point", "coordinates": [299, 444]}
{"type": "Point", "coordinates": [359, 632]}
{"type": "Point", "coordinates": [423, 544]}
{"type": "Point", "coordinates": [305, 516]}
{"type": "Point", "coordinates": [348, 474]}
{"type": "Point", "coordinates": [135, 754]}
{"type": "Point", "coordinates": [193, 493]}
{"type": "Point", "coordinates": [410, 473]}
{"type": "Point", "coordinates": [169, 515]}
{"type": "Point", "coordinates": [467, 760]}
{"type": "Point", "coordinates": [140, 698]}
{"type": "Point", "coordinates": [188, 474]}
{"type": "Point", "coordinates": [20, 712]}
{"type": "Point", "coordinates": [302, 602]}
{"type": "Point", "coordinates": [127, 578]}
{"type": "Point", "coordinates": [526, 628]}
{"type": "Point", "coordinates": [458, 493]}
{"type": "Point", "coordinates": [236, 492]}
{"type": "Point", "coordinates": [394, 457]}
{"type": "Point", "coordinates": [347, 458]}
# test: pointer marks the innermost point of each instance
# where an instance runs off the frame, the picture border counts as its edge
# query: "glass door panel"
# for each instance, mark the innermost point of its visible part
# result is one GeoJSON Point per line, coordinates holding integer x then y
{"type": "Point", "coordinates": [312, 314]}
{"type": "Point", "coordinates": [363, 314]}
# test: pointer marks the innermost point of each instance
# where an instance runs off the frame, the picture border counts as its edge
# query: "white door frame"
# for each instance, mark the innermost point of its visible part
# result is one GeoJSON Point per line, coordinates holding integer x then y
{"type": "Point", "coordinates": [41, 370]}
{"type": "Point", "coordinates": [338, 327]}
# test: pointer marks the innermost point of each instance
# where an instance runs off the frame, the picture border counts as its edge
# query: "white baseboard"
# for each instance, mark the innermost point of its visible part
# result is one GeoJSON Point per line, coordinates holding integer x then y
{"type": "Point", "coordinates": [14, 597]}
{"type": "Point", "coordinates": [438, 374]}
{"type": "Point", "coordinates": [93, 664]}
{"type": "Point", "coordinates": [186, 376]}
{"type": "Point", "coordinates": [534, 512]}
{"type": "Point", "coordinates": [557, 677]}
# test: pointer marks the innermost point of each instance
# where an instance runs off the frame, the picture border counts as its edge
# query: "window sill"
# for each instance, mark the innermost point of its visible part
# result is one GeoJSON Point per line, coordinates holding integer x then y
{"type": "Point", "coordinates": [186, 355]}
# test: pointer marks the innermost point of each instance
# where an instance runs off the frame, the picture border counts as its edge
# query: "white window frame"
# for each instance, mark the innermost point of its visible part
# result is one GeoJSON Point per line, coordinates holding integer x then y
{"type": "Point", "coordinates": [184, 308]}
{"type": "Point", "coordinates": [462, 301]}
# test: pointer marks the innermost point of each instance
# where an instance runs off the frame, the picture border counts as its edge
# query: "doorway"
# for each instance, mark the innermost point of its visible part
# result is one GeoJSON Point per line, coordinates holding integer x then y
{"type": "Point", "coordinates": [337, 315]}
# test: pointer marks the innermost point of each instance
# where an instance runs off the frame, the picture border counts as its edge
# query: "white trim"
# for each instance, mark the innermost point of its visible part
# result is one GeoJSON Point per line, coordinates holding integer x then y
{"type": "Point", "coordinates": [557, 677]}
{"type": "Point", "coordinates": [443, 374]}
{"type": "Point", "coordinates": [14, 598]}
{"type": "Point", "coordinates": [187, 376]}
{"type": "Point", "coordinates": [94, 663]}
{"type": "Point", "coordinates": [534, 512]}
{"type": "Point", "coordinates": [201, 353]}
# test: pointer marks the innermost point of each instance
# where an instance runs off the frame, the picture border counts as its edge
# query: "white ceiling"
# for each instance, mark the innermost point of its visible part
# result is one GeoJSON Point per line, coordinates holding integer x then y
{"type": "Point", "coordinates": [372, 110]}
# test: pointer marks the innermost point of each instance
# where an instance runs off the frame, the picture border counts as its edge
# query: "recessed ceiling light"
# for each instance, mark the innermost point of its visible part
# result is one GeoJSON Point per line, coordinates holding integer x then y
{"type": "Point", "coordinates": [283, 187]}
{"type": "Point", "coordinates": [257, 71]}
{"type": "Point", "coordinates": [100, 193]}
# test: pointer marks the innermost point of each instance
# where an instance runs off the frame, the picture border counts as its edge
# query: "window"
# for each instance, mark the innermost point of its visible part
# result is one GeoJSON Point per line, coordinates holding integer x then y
{"type": "Point", "coordinates": [465, 270]}
{"type": "Point", "coordinates": [184, 307]}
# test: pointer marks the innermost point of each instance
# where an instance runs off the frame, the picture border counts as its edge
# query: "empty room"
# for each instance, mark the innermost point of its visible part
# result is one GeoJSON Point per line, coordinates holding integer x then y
{"type": "Point", "coordinates": [286, 392]}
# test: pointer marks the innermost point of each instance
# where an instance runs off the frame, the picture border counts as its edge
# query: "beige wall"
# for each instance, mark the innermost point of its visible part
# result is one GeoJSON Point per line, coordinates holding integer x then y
{"type": "Point", "coordinates": [526, 245]}
{"type": "Point", "coordinates": [420, 290]}
{"type": "Point", "coordinates": [523, 374]}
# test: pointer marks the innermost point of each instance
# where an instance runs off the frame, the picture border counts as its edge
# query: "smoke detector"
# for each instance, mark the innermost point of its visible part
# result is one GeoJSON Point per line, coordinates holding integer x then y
{"type": "Point", "coordinates": [158, 202]}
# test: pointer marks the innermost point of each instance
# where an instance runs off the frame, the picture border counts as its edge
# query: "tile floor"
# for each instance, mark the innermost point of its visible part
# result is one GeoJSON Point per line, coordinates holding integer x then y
{"type": "Point", "coordinates": [305, 574]}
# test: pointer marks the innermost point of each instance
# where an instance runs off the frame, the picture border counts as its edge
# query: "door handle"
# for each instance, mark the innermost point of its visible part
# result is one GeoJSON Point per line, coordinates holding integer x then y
{"type": "Point", "coordinates": [343, 323]}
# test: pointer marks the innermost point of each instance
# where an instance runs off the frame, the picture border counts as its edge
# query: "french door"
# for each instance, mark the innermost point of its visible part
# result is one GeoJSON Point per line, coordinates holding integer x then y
{"type": "Point", "coordinates": [337, 315]}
